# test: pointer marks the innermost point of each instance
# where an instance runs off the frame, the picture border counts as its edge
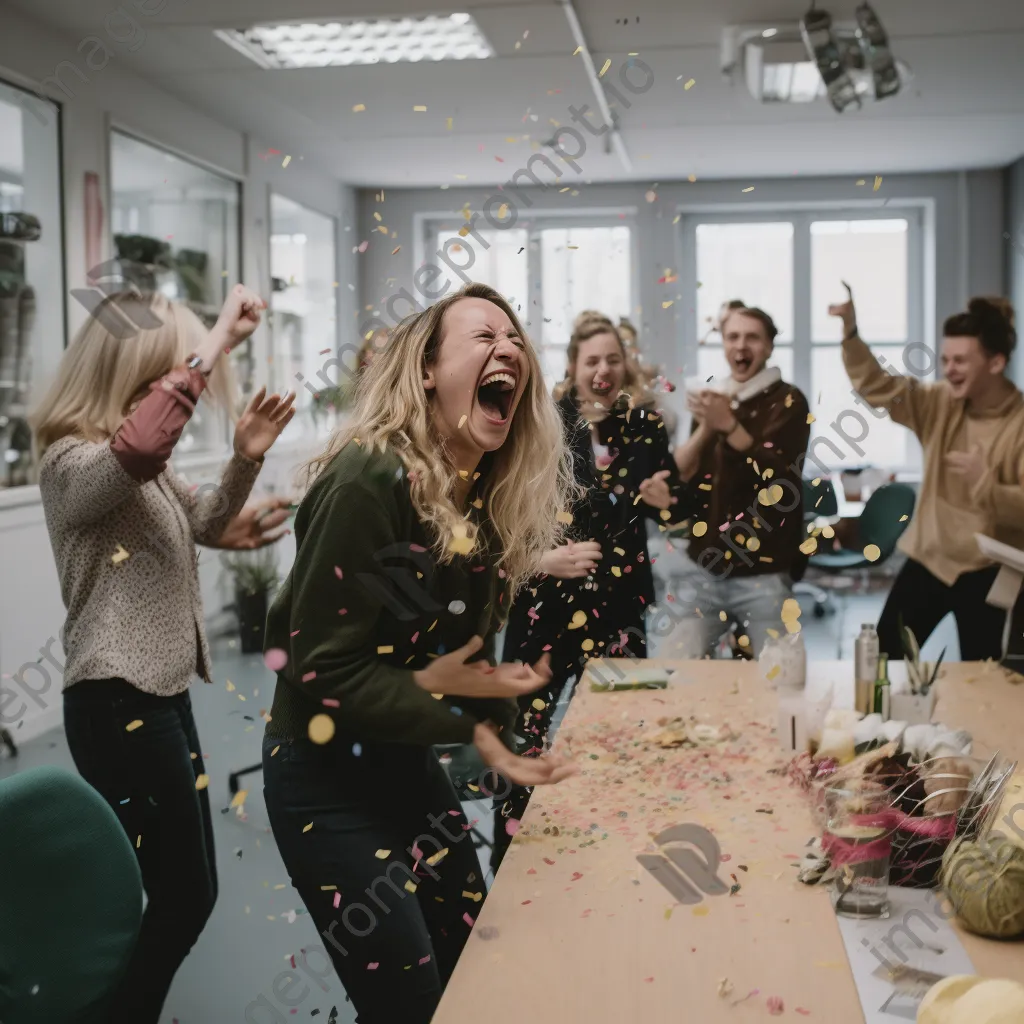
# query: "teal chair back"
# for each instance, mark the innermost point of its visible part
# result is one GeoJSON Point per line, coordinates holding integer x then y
{"type": "Point", "coordinates": [886, 515]}
{"type": "Point", "coordinates": [819, 498]}
{"type": "Point", "coordinates": [72, 899]}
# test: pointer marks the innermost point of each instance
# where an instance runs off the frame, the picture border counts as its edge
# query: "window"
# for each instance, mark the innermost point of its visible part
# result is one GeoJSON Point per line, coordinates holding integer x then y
{"type": "Point", "coordinates": [793, 266]}
{"type": "Point", "coordinates": [303, 304]}
{"type": "Point", "coordinates": [175, 227]}
{"type": "Point", "coordinates": [550, 270]}
{"type": "Point", "coordinates": [31, 270]}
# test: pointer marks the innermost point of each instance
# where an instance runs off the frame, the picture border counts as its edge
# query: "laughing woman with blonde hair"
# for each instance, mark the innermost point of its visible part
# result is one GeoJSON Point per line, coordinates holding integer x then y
{"type": "Point", "coordinates": [123, 529]}
{"type": "Point", "coordinates": [426, 512]}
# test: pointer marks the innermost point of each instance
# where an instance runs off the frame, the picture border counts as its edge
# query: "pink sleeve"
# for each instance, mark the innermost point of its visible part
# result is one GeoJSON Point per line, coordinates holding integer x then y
{"type": "Point", "coordinates": [145, 440]}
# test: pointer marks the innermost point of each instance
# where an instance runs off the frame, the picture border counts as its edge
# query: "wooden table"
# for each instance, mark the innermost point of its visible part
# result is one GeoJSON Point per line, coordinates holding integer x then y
{"type": "Point", "coordinates": [575, 930]}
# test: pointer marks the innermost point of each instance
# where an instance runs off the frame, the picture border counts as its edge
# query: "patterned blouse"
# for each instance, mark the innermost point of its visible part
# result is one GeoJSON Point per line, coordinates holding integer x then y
{"type": "Point", "coordinates": [123, 529]}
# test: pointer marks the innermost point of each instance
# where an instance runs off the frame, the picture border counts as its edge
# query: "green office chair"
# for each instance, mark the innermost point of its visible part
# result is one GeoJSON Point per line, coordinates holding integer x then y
{"type": "Point", "coordinates": [819, 502]}
{"type": "Point", "coordinates": [886, 515]}
{"type": "Point", "coordinates": [72, 902]}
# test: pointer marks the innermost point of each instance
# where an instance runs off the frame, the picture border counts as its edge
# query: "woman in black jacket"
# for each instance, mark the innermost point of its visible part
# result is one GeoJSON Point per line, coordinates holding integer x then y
{"type": "Point", "coordinates": [592, 595]}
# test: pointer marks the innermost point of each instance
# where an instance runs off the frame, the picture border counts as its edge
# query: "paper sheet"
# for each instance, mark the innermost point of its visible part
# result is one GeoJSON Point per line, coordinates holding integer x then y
{"type": "Point", "coordinates": [897, 960]}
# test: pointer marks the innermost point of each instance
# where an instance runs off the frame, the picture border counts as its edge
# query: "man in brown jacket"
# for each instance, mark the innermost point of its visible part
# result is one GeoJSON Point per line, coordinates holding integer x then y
{"type": "Point", "coordinates": [742, 459]}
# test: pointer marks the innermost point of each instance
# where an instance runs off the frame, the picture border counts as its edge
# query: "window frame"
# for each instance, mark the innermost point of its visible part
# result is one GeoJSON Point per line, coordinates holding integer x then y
{"type": "Point", "coordinates": [801, 217]}
{"type": "Point", "coordinates": [427, 227]}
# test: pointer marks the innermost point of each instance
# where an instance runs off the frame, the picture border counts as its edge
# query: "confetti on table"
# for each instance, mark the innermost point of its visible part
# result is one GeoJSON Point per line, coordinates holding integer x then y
{"type": "Point", "coordinates": [667, 303]}
{"type": "Point", "coordinates": [775, 1005]}
{"type": "Point", "coordinates": [321, 729]}
{"type": "Point", "coordinates": [448, 122]}
{"type": "Point", "coordinates": [690, 83]}
{"type": "Point", "coordinates": [119, 556]}
{"type": "Point", "coordinates": [202, 781]}
{"type": "Point", "coordinates": [700, 911]}
{"type": "Point", "coordinates": [132, 726]}
{"type": "Point", "coordinates": [358, 108]}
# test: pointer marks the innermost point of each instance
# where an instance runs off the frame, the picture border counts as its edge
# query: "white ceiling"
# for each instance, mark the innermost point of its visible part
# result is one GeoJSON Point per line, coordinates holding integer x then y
{"type": "Point", "coordinates": [965, 107]}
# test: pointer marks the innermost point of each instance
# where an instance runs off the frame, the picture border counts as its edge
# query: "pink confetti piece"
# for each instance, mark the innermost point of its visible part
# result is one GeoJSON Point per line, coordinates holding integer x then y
{"type": "Point", "coordinates": [337, 900]}
{"type": "Point", "coordinates": [373, 966]}
{"type": "Point", "coordinates": [338, 573]}
{"type": "Point", "coordinates": [803, 1012]}
{"type": "Point", "coordinates": [512, 826]}
{"type": "Point", "coordinates": [425, 960]}
{"type": "Point", "coordinates": [343, 611]}
{"type": "Point", "coordinates": [275, 659]}
{"type": "Point", "coordinates": [363, 246]}
{"type": "Point", "coordinates": [417, 548]}
{"type": "Point", "coordinates": [308, 676]}
{"type": "Point", "coordinates": [415, 637]}
{"type": "Point", "coordinates": [294, 632]}
{"type": "Point", "coordinates": [468, 920]}
{"type": "Point", "coordinates": [776, 1005]}
{"type": "Point", "coordinates": [331, 702]}
{"type": "Point", "coordinates": [649, 979]}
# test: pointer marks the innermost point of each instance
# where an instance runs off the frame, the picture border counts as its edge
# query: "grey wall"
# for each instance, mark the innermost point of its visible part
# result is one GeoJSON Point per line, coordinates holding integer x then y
{"type": "Point", "coordinates": [1013, 250]}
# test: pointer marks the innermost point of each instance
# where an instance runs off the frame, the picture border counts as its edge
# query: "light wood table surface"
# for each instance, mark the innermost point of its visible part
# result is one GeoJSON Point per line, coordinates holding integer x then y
{"type": "Point", "coordinates": [575, 930]}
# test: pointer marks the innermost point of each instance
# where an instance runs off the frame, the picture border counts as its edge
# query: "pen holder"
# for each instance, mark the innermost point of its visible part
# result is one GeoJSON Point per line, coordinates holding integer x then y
{"type": "Point", "coordinates": [912, 708]}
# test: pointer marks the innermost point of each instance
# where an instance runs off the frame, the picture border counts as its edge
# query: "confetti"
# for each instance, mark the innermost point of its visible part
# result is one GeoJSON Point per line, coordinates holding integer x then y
{"type": "Point", "coordinates": [577, 50]}
{"type": "Point", "coordinates": [338, 573]}
{"type": "Point", "coordinates": [462, 421]}
{"type": "Point", "coordinates": [239, 798]}
{"type": "Point", "coordinates": [700, 911]}
{"type": "Point", "coordinates": [607, 65]}
{"type": "Point", "coordinates": [878, 182]}
{"type": "Point", "coordinates": [396, 248]}
{"type": "Point", "coordinates": [667, 303]}
{"type": "Point", "coordinates": [748, 189]}
{"type": "Point", "coordinates": [436, 858]}
{"type": "Point", "coordinates": [903, 519]}
{"type": "Point", "coordinates": [286, 161]}
{"type": "Point", "coordinates": [132, 726]}
{"type": "Point", "coordinates": [872, 552]}
{"type": "Point", "coordinates": [700, 528]}
{"type": "Point", "coordinates": [202, 781]}
{"type": "Point", "coordinates": [119, 556]}
{"type": "Point", "coordinates": [579, 618]}
{"type": "Point", "coordinates": [775, 1006]}
{"type": "Point", "coordinates": [457, 607]}
{"type": "Point", "coordinates": [321, 729]}
{"type": "Point", "coordinates": [773, 672]}
{"type": "Point", "coordinates": [382, 854]}
{"type": "Point", "coordinates": [810, 417]}
{"type": "Point", "coordinates": [386, 649]}
{"type": "Point", "coordinates": [358, 108]}
{"type": "Point", "coordinates": [419, 109]}
{"type": "Point", "coordinates": [690, 84]}
{"type": "Point", "coordinates": [309, 677]}
{"type": "Point", "coordinates": [565, 517]}
{"type": "Point", "coordinates": [230, 686]}
{"type": "Point", "coordinates": [861, 181]}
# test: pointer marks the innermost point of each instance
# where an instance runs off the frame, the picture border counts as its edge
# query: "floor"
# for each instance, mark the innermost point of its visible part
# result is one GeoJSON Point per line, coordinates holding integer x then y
{"type": "Point", "coordinates": [259, 922]}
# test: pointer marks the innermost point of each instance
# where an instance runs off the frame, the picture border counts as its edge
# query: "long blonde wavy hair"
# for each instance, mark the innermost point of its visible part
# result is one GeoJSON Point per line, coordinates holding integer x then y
{"type": "Point", "coordinates": [102, 372]}
{"type": "Point", "coordinates": [529, 480]}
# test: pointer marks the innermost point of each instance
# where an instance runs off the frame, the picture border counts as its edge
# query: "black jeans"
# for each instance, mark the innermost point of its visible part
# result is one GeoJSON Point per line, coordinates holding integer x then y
{"type": "Point", "coordinates": [922, 600]}
{"type": "Point", "coordinates": [361, 830]}
{"type": "Point", "coordinates": [148, 776]}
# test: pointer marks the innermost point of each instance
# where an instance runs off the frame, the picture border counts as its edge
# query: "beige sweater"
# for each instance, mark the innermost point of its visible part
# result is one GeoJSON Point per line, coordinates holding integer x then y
{"type": "Point", "coordinates": [949, 513]}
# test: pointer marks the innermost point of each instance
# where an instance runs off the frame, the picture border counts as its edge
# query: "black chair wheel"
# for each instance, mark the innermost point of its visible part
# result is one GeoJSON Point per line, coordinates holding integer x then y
{"type": "Point", "coordinates": [820, 611]}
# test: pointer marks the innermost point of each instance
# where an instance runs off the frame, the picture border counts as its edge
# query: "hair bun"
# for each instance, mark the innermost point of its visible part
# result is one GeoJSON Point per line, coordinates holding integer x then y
{"type": "Point", "coordinates": [992, 306]}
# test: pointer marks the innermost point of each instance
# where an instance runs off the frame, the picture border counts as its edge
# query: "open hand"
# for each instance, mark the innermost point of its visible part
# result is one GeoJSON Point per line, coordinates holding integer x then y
{"type": "Point", "coordinates": [969, 465]}
{"type": "Point", "coordinates": [262, 422]}
{"type": "Point", "coordinates": [845, 311]}
{"type": "Point", "coordinates": [239, 317]}
{"type": "Point", "coordinates": [571, 561]}
{"type": "Point", "coordinates": [256, 526]}
{"type": "Point", "coordinates": [522, 771]}
{"type": "Point", "coordinates": [655, 491]}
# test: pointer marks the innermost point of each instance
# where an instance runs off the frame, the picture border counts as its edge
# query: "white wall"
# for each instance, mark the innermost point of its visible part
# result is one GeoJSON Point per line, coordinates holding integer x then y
{"type": "Point", "coordinates": [31, 611]}
{"type": "Point", "coordinates": [964, 233]}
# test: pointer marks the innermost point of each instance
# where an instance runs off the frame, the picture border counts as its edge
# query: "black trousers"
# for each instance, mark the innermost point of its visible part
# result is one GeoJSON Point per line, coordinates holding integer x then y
{"type": "Point", "coordinates": [627, 638]}
{"type": "Point", "coordinates": [922, 600]}
{"type": "Point", "coordinates": [148, 776]}
{"type": "Point", "coordinates": [375, 841]}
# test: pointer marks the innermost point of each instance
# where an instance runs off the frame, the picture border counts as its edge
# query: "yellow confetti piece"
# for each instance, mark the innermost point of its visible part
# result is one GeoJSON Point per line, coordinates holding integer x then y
{"type": "Point", "coordinates": [286, 161]}
{"type": "Point", "coordinates": [809, 546]}
{"type": "Point", "coordinates": [410, 886]}
{"type": "Point", "coordinates": [690, 84]}
{"type": "Point", "coordinates": [770, 495]}
{"type": "Point", "coordinates": [861, 181]}
{"type": "Point", "coordinates": [307, 827]}
{"type": "Point", "coordinates": [239, 798]}
{"type": "Point", "coordinates": [878, 182]}
{"type": "Point", "coordinates": [773, 633]}
{"type": "Point", "coordinates": [202, 781]}
{"type": "Point", "coordinates": [700, 528]}
{"type": "Point", "coordinates": [358, 108]}
{"type": "Point", "coordinates": [448, 122]}
{"type": "Point", "coordinates": [667, 303]}
{"type": "Point", "coordinates": [437, 857]}
{"type": "Point", "coordinates": [723, 616]}
{"type": "Point", "coordinates": [607, 65]}
{"type": "Point", "coordinates": [903, 519]}
{"type": "Point", "coordinates": [119, 556]}
{"type": "Point", "coordinates": [774, 670]}
{"type": "Point", "coordinates": [588, 644]}
{"type": "Point", "coordinates": [700, 911]}
{"type": "Point", "coordinates": [743, 641]}
{"type": "Point", "coordinates": [386, 649]}
{"type": "Point", "coordinates": [537, 704]}
{"type": "Point", "coordinates": [810, 417]}
{"type": "Point", "coordinates": [572, 247]}
{"type": "Point", "coordinates": [753, 544]}
{"type": "Point", "coordinates": [577, 50]}
{"type": "Point", "coordinates": [138, 842]}
{"type": "Point", "coordinates": [790, 610]}
{"type": "Point", "coordinates": [668, 913]}
{"type": "Point", "coordinates": [564, 517]}
{"type": "Point", "coordinates": [132, 726]}
{"type": "Point", "coordinates": [382, 854]}
{"type": "Point", "coordinates": [230, 686]}
{"type": "Point", "coordinates": [749, 189]}
{"type": "Point", "coordinates": [664, 513]}
{"type": "Point", "coordinates": [419, 109]}
{"type": "Point", "coordinates": [461, 543]}
{"type": "Point", "coordinates": [616, 571]}
{"type": "Point", "coordinates": [479, 503]}
{"type": "Point", "coordinates": [579, 618]}
{"type": "Point", "coordinates": [503, 211]}
{"type": "Point", "coordinates": [328, 888]}
{"type": "Point", "coordinates": [321, 729]}
{"type": "Point", "coordinates": [692, 178]}
{"type": "Point", "coordinates": [872, 552]}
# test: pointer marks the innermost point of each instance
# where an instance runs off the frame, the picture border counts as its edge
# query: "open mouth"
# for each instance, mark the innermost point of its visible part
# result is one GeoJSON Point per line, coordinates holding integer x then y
{"type": "Point", "coordinates": [742, 363]}
{"type": "Point", "coordinates": [495, 393]}
{"type": "Point", "coordinates": [601, 387]}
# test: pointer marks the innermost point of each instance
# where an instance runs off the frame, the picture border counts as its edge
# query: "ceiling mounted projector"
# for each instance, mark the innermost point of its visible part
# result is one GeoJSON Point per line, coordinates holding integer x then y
{"type": "Point", "coordinates": [796, 63]}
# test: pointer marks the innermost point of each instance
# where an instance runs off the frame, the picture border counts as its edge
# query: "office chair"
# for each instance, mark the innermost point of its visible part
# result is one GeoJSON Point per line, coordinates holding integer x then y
{"type": "Point", "coordinates": [819, 502]}
{"type": "Point", "coordinates": [72, 904]}
{"type": "Point", "coordinates": [886, 515]}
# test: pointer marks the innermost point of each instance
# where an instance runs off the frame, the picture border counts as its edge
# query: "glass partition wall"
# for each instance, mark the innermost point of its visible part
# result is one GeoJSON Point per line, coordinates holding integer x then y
{"type": "Point", "coordinates": [32, 327]}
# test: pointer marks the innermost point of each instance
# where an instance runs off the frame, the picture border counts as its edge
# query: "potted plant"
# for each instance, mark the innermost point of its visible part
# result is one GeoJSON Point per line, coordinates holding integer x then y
{"type": "Point", "coordinates": [916, 706]}
{"type": "Point", "coordinates": [255, 575]}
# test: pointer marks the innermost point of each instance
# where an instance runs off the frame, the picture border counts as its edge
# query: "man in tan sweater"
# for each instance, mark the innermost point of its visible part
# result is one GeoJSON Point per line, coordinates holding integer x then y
{"type": "Point", "coordinates": [971, 427]}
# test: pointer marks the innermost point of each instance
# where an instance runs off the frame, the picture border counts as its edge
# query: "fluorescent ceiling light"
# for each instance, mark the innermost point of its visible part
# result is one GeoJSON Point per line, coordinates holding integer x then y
{"type": "Point", "coordinates": [367, 41]}
{"type": "Point", "coordinates": [797, 82]}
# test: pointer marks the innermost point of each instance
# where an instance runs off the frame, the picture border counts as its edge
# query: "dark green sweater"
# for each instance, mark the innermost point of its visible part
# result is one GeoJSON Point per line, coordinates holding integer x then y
{"type": "Point", "coordinates": [365, 605]}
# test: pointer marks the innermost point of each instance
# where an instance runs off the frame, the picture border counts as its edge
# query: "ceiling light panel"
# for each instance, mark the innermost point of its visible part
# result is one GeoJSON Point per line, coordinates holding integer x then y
{"type": "Point", "coordinates": [368, 41]}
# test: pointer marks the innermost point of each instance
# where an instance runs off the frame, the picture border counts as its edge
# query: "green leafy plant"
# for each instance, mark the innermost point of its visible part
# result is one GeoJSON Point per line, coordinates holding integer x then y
{"type": "Point", "coordinates": [253, 572]}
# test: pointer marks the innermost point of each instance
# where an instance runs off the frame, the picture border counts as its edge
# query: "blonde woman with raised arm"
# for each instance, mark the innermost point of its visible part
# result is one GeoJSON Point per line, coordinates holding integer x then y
{"type": "Point", "coordinates": [123, 529]}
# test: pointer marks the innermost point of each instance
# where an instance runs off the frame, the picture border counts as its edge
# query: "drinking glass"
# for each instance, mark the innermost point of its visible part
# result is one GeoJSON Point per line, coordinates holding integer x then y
{"type": "Point", "coordinates": [859, 843]}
